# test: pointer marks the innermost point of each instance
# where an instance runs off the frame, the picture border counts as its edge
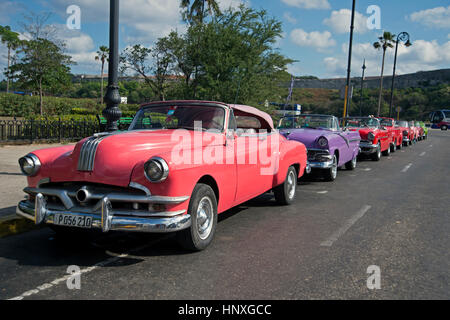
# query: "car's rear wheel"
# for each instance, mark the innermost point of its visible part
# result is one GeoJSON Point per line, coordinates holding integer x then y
{"type": "Point", "coordinates": [444, 128]}
{"type": "Point", "coordinates": [285, 193]}
{"type": "Point", "coordinates": [400, 146]}
{"type": "Point", "coordinates": [203, 211]}
{"type": "Point", "coordinates": [377, 155]}
{"type": "Point", "coordinates": [331, 174]}
{"type": "Point", "coordinates": [351, 165]}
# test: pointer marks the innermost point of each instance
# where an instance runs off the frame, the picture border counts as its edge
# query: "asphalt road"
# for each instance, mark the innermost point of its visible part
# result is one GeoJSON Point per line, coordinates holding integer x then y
{"type": "Point", "coordinates": [393, 214]}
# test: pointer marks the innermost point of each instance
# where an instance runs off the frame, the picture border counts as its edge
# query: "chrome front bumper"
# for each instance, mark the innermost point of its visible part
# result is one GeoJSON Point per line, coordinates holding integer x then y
{"type": "Point", "coordinates": [321, 165]}
{"type": "Point", "coordinates": [102, 214]}
{"type": "Point", "coordinates": [368, 148]}
{"type": "Point", "coordinates": [106, 221]}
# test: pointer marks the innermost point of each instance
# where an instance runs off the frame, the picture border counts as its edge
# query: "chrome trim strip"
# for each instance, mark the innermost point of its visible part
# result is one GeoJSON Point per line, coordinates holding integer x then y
{"type": "Point", "coordinates": [88, 151]}
{"type": "Point", "coordinates": [138, 186]}
{"type": "Point", "coordinates": [108, 222]}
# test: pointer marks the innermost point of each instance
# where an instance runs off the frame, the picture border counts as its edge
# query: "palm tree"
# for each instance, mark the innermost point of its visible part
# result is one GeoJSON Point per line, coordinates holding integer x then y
{"type": "Point", "coordinates": [196, 11]}
{"type": "Point", "coordinates": [384, 42]}
{"type": "Point", "coordinates": [11, 39]}
{"type": "Point", "coordinates": [103, 56]}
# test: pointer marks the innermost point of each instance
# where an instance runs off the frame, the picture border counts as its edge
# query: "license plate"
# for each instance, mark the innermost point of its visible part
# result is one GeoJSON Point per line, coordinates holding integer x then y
{"type": "Point", "coordinates": [75, 221]}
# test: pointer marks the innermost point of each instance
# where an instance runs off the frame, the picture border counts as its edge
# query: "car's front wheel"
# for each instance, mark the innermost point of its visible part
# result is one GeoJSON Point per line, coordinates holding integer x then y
{"type": "Point", "coordinates": [377, 155]}
{"type": "Point", "coordinates": [444, 128]}
{"type": "Point", "coordinates": [203, 212]}
{"type": "Point", "coordinates": [285, 193]}
{"type": "Point", "coordinates": [331, 173]}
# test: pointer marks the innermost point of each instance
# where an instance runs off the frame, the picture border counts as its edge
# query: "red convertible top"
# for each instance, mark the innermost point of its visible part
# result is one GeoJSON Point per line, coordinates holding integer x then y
{"type": "Point", "coordinates": [241, 108]}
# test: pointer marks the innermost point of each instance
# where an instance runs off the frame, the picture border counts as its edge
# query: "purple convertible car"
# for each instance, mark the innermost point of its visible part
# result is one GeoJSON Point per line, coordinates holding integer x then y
{"type": "Point", "coordinates": [328, 146]}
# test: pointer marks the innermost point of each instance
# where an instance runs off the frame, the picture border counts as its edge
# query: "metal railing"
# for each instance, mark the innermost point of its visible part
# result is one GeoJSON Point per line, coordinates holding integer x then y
{"type": "Point", "coordinates": [47, 130]}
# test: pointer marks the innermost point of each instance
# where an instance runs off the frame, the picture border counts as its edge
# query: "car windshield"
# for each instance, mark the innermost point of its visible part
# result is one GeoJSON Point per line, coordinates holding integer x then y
{"type": "Point", "coordinates": [308, 122]}
{"type": "Point", "coordinates": [411, 123]}
{"type": "Point", "coordinates": [403, 124]}
{"type": "Point", "coordinates": [179, 117]}
{"type": "Point", "coordinates": [386, 123]}
{"type": "Point", "coordinates": [362, 123]}
{"type": "Point", "coordinates": [417, 124]}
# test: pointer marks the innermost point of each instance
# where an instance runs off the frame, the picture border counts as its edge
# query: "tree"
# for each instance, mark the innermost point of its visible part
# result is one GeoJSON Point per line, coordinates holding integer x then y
{"type": "Point", "coordinates": [42, 65]}
{"type": "Point", "coordinates": [12, 41]}
{"type": "Point", "coordinates": [384, 42]}
{"type": "Point", "coordinates": [137, 58]}
{"type": "Point", "coordinates": [195, 12]}
{"type": "Point", "coordinates": [103, 56]}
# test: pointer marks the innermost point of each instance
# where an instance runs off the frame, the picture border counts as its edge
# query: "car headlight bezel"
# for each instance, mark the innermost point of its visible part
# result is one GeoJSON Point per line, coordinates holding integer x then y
{"type": "Point", "coordinates": [156, 170]}
{"type": "Point", "coordinates": [322, 142]}
{"type": "Point", "coordinates": [371, 136]}
{"type": "Point", "coordinates": [30, 165]}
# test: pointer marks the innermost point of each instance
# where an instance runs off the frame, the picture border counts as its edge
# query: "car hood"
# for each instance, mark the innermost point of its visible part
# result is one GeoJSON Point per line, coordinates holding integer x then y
{"type": "Point", "coordinates": [117, 155]}
{"type": "Point", "coordinates": [306, 136]}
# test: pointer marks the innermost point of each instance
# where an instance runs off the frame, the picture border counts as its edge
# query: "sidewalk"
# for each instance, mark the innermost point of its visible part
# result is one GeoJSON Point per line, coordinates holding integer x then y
{"type": "Point", "coordinates": [12, 183]}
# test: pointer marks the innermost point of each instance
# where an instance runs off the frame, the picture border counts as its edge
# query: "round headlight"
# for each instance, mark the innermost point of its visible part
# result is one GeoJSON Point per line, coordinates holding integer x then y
{"type": "Point", "coordinates": [323, 142]}
{"type": "Point", "coordinates": [29, 165]}
{"type": "Point", "coordinates": [156, 170]}
{"type": "Point", "coordinates": [371, 136]}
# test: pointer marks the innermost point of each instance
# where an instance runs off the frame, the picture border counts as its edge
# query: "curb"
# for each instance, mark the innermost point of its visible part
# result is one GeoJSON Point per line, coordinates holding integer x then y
{"type": "Point", "coordinates": [11, 225]}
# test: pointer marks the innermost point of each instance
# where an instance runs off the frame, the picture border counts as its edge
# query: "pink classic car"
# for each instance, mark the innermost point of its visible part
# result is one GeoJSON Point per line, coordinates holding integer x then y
{"type": "Point", "coordinates": [179, 165]}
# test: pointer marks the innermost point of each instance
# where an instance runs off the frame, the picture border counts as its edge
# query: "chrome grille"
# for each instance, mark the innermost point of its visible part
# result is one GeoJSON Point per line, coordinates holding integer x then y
{"type": "Point", "coordinates": [88, 151]}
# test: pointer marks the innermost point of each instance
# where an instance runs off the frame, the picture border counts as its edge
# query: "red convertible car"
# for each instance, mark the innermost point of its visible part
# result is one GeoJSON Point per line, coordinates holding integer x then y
{"type": "Point", "coordinates": [375, 139]}
{"type": "Point", "coordinates": [395, 132]}
{"type": "Point", "coordinates": [408, 134]}
{"type": "Point", "coordinates": [179, 165]}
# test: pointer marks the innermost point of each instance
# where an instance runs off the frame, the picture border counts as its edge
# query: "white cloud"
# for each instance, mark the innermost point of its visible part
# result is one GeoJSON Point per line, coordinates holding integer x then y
{"type": "Point", "coordinates": [289, 18]}
{"type": "Point", "coordinates": [308, 4]}
{"type": "Point", "coordinates": [144, 20]}
{"type": "Point", "coordinates": [437, 17]}
{"type": "Point", "coordinates": [340, 21]}
{"type": "Point", "coordinates": [422, 56]}
{"type": "Point", "coordinates": [316, 39]}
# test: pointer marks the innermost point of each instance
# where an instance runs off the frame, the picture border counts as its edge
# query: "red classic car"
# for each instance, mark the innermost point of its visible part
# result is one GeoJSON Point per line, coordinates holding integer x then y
{"type": "Point", "coordinates": [375, 139]}
{"type": "Point", "coordinates": [395, 132]}
{"type": "Point", "coordinates": [415, 132]}
{"type": "Point", "coordinates": [408, 133]}
{"type": "Point", "coordinates": [420, 131]}
{"type": "Point", "coordinates": [178, 166]}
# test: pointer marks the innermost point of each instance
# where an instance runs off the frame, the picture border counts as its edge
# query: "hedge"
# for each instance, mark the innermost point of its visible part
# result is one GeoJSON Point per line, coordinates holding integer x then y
{"type": "Point", "coordinates": [14, 105]}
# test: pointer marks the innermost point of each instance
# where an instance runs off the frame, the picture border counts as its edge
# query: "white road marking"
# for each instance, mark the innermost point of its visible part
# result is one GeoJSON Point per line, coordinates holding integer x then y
{"type": "Point", "coordinates": [322, 192]}
{"type": "Point", "coordinates": [431, 146]}
{"type": "Point", "coordinates": [422, 154]}
{"type": "Point", "coordinates": [407, 168]}
{"type": "Point", "coordinates": [104, 263]}
{"type": "Point", "coordinates": [348, 224]}
{"type": "Point", "coordinates": [367, 169]}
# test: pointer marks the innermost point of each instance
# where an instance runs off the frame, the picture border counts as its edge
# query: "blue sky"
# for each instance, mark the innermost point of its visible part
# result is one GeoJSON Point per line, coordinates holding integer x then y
{"type": "Point", "coordinates": [316, 32]}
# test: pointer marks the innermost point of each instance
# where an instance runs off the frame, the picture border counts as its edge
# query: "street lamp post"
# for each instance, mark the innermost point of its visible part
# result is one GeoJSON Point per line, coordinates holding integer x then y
{"type": "Point", "coordinates": [404, 37]}
{"type": "Point", "coordinates": [362, 87]}
{"type": "Point", "coordinates": [112, 112]}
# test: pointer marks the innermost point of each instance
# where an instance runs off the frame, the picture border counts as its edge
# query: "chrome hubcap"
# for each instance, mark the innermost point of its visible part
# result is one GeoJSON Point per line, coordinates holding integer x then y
{"type": "Point", "coordinates": [291, 183]}
{"type": "Point", "coordinates": [354, 162]}
{"type": "Point", "coordinates": [205, 218]}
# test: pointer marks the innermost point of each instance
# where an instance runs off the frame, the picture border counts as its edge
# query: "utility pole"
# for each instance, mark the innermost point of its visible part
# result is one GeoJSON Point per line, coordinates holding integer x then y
{"type": "Point", "coordinates": [347, 87]}
{"type": "Point", "coordinates": [362, 87]}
